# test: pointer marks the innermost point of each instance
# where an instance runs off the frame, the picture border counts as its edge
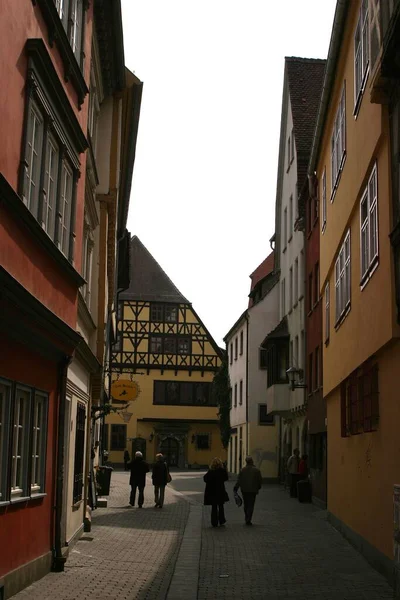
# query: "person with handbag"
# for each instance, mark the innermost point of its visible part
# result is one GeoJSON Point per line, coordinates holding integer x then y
{"type": "Point", "coordinates": [160, 476]}
{"type": "Point", "coordinates": [249, 481]}
{"type": "Point", "coordinates": [215, 493]}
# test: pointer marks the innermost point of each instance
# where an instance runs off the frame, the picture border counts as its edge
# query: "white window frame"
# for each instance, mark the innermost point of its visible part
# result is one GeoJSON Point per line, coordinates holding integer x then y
{"type": "Point", "coordinates": [5, 400]}
{"type": "Point", "coordinates": [296, 281]}
{"type": "Point", "coordinates": [34, 145]}
{"type": "Point", "coordinates": [20, 441]}
{"type": "Point", "coordinates": [338, 143]}
{"type": "Point", "coordinates": [361, 55]}
{"type": "Point", "coordinates": [66, 196]}
{"type": "Point", "coordinates": [39, 440]}
{"type": "Point", "coordinates": [343, 280]}
{"type": "Point", "coordinates": [327, 312]}
{"type": "Point", "coordinates": [369, 231]}
{"type": "Point", "coordinates": [50, 186]}
{"type": "Point", "coordinates": [323, 200]}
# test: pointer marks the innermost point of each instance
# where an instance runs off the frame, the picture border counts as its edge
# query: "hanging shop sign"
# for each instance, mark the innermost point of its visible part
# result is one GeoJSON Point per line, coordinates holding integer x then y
{"type": "Point", "coordinates": [125, 389]}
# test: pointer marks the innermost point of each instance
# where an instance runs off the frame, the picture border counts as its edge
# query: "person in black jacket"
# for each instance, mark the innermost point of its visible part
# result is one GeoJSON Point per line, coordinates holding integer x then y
{"type": "Point", "coordinates": [139, 468]}
{"type": "Point", "coordinates": [160, 480]}
{"type": "Point", "coordinates": [215, 492]}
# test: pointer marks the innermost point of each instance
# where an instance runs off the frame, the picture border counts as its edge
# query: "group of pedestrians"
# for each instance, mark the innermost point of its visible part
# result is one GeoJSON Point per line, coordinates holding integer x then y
{"type": "Point", "coordinates": [160, 476]}
{"type": "Point", "coordinates": [249, 482]}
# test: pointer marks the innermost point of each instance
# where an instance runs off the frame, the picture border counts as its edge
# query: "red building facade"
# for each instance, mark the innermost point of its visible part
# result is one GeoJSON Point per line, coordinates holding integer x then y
{"type": "Point", "coordinates": [44, 75]}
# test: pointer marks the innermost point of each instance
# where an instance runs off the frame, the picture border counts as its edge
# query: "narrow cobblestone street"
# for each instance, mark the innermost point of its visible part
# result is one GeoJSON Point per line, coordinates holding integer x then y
{"type": "Point", "coordinates": [290, 552]}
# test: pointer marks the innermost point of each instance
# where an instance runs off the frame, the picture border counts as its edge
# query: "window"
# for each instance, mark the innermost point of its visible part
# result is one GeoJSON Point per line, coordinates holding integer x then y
{"type": "Point", "coordinates": [183, 345]}
{"type": "Point", "coordinates": [235, 396]}
{"type": "Point", "coordinates": [342, 279]}
{"type": "Point", "coordinates": [66, 203]}
{"type": "Point", "coordinates": [79, 452]}
{"type": "Point", "coordinates": [296, 281]}
{"type": "Point", "coordinates": [71, 15]}
{"type": "Point", "coordinates": [236, 348]}
{"type": "Point", "coordinates": [203, 441]}
{"type": "Point", "coordinates": [327, 313]}
{"type": "Point", "coordinates": [361, 55]}
{"type": "Point", "coordinates": [169, 345]}
{"type": "Point", "coordinates": [156, 313]}
{"type": "Point", "coordinates": [360, 401]}
{"type": "Point", "coordinates": [240, 393]}
{"type": "Point", "coordinates": [171, 313]}
{"type": "Point", "coordinates": [20, 442]}
{"type": "Point", "coordinates": [277, 361]}
{"type": "Point", "coordinates": [39, 426]}
{"type": "Point", "coordinates": [310, 373]}
{"type": "Point", "coordinates": [118, 437]}
{"type": "Point", "coordinates": [283, 300]}
{"type": "Point", "coordinates": [93, 111]}
{"type": "Point", "coordinates": [292, 147]}
{"type": "Point", "coordinates": [289, 151]}
{"type": "Point", "coordinates": [5, 393]}
{"type": "Point", "coordinates": [183, 393]}
{"type": "Point", "coordinates": [263, 417]}
{"type": "Point", "coordinates": [87, 260]}
{"type": "Point", "coordinates": [310, 292]}
{"type": "Point", "coordinates": [156, 344]}
{"type": "Point", "coordinates": [231, 353]}
{"type": "Point", "coordinates": [323, 200]}
{"type": "Point", "coordinates": [263, 358]}
{"type": "Point", "coordinates": [316, 284]}
{"type": "Point", "coordinates": [296, 351]}
{"type": "Point", "coordinates": [50, 182]}
{"type": "Point", "coordinates": [369, 227]}
{"type": "Point", "coordinates": [291, 355]}
{"type": "Point", "coordinates": [241, 343]}
{"type": "Point", "coordinates": [338, 142]}
{"type": "Point", "coordinates": [285, 231]}
{"type": "Point", "coordinates": [290, 217]}
{"type": "Point", "coordinates": [316, 370]}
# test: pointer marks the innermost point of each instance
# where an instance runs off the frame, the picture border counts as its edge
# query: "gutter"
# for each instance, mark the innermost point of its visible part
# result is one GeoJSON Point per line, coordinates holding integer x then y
{"type": "Point", "coordinates": [339, 20]}
{"type": "Point", "coordinates": [58, 558]}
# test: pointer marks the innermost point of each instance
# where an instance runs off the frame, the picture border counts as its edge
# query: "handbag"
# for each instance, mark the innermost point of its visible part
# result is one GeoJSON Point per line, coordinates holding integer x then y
{"type": "Point", "coordinates": [238, 498]}
{"type": "Point", "coordinates": [169, 478]}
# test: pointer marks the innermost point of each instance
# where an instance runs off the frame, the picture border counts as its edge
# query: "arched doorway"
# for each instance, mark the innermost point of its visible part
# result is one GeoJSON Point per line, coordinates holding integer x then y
{"type": "Point", "coordinates": [170, 448]}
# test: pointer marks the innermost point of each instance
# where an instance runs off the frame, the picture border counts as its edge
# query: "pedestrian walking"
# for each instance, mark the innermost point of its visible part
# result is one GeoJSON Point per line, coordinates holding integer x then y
{"type": "Point", "coordinates": [160, 476]}
{"type": "Point", "coordinates": [127, 459]}
{"type": "Point", "coordinates": [139, 468]}
{"type": "Point", "coordinates": [249, 481]}
{"type": "Point", "coordinates": [215, 493]}
{"type": "Point", "coordinates": [293, 470]}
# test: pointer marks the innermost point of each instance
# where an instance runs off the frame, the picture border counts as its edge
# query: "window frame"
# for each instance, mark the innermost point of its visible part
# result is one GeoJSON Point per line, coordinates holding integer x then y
{"type": "Point", "coordinates": [361, 49]}
{"type": "Point", "coordinates": [338, 135]}
{"type": "Point", "coordinates": [343, 278]}
{"type": "Point", "coordinates": [296, 281]}
{"type": "Point", "coordinates": [285, 229]}
{"type": "Point", "coordinates": [5, 435]}
{"type": "Point", "coordinates": [241, 343]}
{"type": "Point", "coordinates": [20, 473]}
{"type": "Point", "coordinates": [235, 396]}
{"type": "Point", "coordinates": [365, 225]}
{"type": "Point", "coordinates": [360, 410]}
{"type": "Point", "coordinates": [291, 301]}
{"type": "Point", "coordinates": [290, 225]}
{"type": "Point", "coordinates": [122, 435]}
{"type": "Point", "coordinates": [38, 487]}
{"type": "Point", "coordinates": [236, 347]}
{"type": "Point", "coordinates": [241, 392]}
{"type": "Point", "coordinates": [79, 461]}
{"type": "Point", "coordinates": [180, 349]}
{"type": "Point", "coordinates": [323, 201]}
{"type": "Point", "coordinates": [203, 435]}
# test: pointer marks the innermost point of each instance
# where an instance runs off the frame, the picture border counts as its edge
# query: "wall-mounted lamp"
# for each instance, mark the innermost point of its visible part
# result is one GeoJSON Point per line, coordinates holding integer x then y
{"type": "Point", "coordinates": [151, 438]}
{"type": "Point", "coordinates": [294, 374]}
{"type": "Point", "coordinates": [193, 439]}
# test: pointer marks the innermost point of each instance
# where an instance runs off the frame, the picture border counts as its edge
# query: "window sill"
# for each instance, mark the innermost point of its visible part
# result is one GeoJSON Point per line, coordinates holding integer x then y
{"type": "Point", "coordinates": [360, 96]}
{"type": "Point", "coordinates": [20, 500]}
{"type": "Point", "coordinates": [323, 228]}
{"type": "Point", "coordinates": [4, 503]}
{"type": "Point", "coordinates": [342, 317]}
{"type": "Point", "coordinates": [367, 277]}
{"type": "Point", "coordinates": [38, 496]}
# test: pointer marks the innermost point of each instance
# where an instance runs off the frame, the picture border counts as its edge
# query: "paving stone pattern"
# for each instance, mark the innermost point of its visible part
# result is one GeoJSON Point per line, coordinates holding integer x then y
{"type": "Point", "coordinates": [129, 554]}
{"type": "Point", "coordinates": [291, 551]}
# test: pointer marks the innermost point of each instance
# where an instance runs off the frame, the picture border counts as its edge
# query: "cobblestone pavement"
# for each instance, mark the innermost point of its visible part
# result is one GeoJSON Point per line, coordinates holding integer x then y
{"type": "Point", "coordinates": [289, 552]}
{"type": "Point", "coordinates": [147, 554]}
{"type": "Point", "coordinates": [129, 554]}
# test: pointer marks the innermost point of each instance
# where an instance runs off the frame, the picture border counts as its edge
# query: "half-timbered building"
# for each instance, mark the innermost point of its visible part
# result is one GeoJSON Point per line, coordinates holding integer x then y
{"type": "Point", "coordinates": [163, 346]}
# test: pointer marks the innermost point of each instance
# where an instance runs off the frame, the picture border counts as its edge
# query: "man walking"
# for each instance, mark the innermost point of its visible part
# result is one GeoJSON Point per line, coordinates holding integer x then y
{"type": "Point", "coordinates": [139, 468]}
{"type": "Point", "coordinates": [160, 480]}
{"type": "Point", "coordinates": [249, 481]}
{"type": "Point", "coordinates": [293, 470]}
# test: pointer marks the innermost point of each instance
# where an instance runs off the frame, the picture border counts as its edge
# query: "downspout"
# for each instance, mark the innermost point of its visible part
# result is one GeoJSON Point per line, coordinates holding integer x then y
{"type": "Point", "coordinates": [247, 385]}
{"type": "Point", "coordinates": [58, 558]}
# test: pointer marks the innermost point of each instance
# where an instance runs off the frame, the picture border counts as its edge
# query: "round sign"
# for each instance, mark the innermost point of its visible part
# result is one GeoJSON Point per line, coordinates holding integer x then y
{"type": "Point", "coordinates": [125, 389]}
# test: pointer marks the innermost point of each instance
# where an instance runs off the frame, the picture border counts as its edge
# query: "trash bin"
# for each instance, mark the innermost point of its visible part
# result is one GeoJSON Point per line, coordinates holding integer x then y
{"type": "Point", "coordinates": [103, 478]}
{"type": "Point", "coordinates": [304, 491]}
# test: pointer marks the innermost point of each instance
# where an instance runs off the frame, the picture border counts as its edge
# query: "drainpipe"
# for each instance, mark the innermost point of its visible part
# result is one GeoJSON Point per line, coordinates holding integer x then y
{"type": "Point", "coordinates": [247, 385]}
{"type": "Point", "coordinates": [58, 558]}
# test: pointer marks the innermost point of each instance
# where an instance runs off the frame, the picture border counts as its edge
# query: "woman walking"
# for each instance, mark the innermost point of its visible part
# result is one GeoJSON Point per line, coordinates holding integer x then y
{"type": "Point", "coordinates": [215, 492]}
{"type": "Point", "coordinates": [160, 476]}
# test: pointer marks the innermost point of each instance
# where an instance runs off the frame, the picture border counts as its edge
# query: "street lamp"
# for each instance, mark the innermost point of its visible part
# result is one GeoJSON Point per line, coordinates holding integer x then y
{"type": "Point", "coordinates": [292, 372]}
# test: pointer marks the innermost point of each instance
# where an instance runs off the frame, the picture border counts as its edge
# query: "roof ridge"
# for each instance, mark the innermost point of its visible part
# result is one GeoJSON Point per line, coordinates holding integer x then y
{"type": "Point", "coordinates": [304, 59]}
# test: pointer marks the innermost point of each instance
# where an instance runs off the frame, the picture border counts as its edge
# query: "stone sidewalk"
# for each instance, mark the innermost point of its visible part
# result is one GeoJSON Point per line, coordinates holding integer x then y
{"type": "Point", "coordinates": [174, 553]}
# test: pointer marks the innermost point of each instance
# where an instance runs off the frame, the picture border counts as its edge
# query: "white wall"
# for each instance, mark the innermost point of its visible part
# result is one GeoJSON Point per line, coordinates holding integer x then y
{"type": "Point", "coordinates": [237, 373]}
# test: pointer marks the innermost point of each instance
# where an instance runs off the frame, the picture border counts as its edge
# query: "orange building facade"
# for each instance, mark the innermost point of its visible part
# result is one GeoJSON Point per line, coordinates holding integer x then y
{"type": "Point", "coordinates": [351, 158]}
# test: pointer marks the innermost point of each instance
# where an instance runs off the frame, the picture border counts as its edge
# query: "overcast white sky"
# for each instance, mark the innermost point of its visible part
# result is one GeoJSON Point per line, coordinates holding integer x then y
{"type": "Point", "coordinates": [204, 181]}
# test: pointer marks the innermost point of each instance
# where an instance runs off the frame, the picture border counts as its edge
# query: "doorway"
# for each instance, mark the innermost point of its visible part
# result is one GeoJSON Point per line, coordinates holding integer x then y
{"type": "Point", "coordinates": [170, 449]}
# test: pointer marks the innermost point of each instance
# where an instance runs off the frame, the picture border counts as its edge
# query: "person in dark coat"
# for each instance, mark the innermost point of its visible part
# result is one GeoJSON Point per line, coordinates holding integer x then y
{"type": "Point", "coordinates": [215, 492]}
{"type": "Point", "coordinates": [249, 481]}
{"type": "Point", "coordinates": [127, 459]}
{"type": "Point", "coordinates": [160, 480]}
{"type": "Point", "coordinates": [139, 468]}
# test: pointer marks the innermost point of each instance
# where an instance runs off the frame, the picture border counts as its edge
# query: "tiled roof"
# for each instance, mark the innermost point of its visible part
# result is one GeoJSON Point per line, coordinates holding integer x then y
{"type": "Point", "coordinates": [148, 280]}
{"type": "Point", "coordinates": [280, 331]}
{"type": "Point", "coordinates": [264, 269]}
{"type": "Point", "coordinates": [305, 80]}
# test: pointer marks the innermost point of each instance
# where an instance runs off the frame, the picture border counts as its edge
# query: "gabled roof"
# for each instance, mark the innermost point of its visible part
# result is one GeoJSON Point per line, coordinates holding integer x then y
{"type": "Point", "coordinates": [281, 331]}
{"type": "Point", "coordinates": [305, 78]}
{"type": "Point", "coordinates": [148, 280]}
{"type": "Point", "coordinates": [264, 269]}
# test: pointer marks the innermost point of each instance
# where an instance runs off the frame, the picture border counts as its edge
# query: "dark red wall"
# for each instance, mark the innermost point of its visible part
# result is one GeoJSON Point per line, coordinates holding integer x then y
{"type": "Point", "coordinates": [26, 528]}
